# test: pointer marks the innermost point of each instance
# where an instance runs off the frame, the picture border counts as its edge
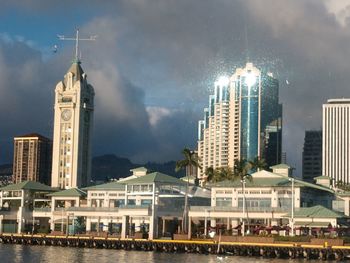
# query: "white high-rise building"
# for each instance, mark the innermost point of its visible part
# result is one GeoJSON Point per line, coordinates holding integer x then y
{"type": "Point", "coordinates": [336, 140]}
{"type": "Point", "coordinates": [213, 131]}
{"type": "Point", "coordinates": [74, 105]}
{"type": "Point", "coordinates": [243, 121]}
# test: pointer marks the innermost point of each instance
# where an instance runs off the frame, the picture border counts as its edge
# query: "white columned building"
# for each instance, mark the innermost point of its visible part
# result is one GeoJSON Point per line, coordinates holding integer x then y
{"type": "Point", "coordinates": [335, 141]}
{"type": "Point", "coordinates": [74, 105]}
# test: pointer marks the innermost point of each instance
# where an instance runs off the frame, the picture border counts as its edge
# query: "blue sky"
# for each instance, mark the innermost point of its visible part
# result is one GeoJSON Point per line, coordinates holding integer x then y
{"type": "Point", "coordinates": [154, 64]}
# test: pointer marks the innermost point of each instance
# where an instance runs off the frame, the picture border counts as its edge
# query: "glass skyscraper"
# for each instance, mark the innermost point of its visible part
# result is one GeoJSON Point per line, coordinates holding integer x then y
{"type": "Point", "coordinates": [253, 124]}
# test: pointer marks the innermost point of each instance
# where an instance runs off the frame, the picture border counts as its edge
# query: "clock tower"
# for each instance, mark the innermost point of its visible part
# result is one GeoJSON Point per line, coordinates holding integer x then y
{"type": "Point", "coordinates": [73, 120]}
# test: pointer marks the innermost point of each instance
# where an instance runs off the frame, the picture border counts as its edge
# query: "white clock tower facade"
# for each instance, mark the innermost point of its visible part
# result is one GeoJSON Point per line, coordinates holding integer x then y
{"type": "Point", "coordinates": [73, 122]}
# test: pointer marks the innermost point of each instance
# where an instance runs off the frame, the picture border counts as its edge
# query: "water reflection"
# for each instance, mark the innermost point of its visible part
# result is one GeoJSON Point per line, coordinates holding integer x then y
{"type": "Point", "coordinates": [48, 254]}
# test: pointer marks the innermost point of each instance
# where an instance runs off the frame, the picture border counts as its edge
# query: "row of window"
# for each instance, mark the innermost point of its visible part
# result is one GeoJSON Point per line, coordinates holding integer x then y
{"type": "Point", "coordinates": [253, 202]}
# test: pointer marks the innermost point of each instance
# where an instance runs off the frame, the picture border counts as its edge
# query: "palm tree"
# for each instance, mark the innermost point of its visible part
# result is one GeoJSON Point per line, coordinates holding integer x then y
{"type": "Point", "coordinates": [210, 175]}
{"type": "Point", "coordinates": [190, 159]}
{"type": "Point", "coordinates": [224, 173]}
{"type": "Point", "coordinates": [240, 171]}
{"type": "Point", "coordinates": [258, 164]}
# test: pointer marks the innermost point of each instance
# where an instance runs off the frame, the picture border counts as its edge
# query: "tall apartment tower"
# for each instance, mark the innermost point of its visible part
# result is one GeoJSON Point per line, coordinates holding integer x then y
{"type": "Point", "coordinates": [213, 131]}
{"type": "Point", "coordinates": [243, 120]}
{"type": "Point", "coordinates": [336, 140]}
{"type": "Point", "coordinates": [312, 155]}
{"type": "Point", "coordinates": [32, 158]}
{"type": "Point", "coordinates": [74, 105]}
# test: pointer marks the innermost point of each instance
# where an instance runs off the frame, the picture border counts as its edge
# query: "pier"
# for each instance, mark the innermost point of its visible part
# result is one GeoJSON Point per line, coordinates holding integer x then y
{"type": "Point", "coordinates": [266, 250]}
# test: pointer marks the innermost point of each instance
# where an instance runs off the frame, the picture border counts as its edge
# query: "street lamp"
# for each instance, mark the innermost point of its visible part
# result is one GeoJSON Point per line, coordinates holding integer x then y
{"type": "Point", "coordinates": [62, 227]}
{"type": "Point", "coordinates": [292, 214]}
{"type": "Point", "coordinates": [33, 224]}
{"type": "Point", "coordinates": [243, 215]}
{"type": "Point", "coordinates": [205, 223]}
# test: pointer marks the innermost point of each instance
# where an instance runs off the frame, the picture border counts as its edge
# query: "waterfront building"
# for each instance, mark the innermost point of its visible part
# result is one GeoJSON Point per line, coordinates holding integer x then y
{"type": "Point", "coordinates": [243, 120]}
{"type": "Point", "coordinates": [266, 200]}
{"type": "Point", "coordinates": [32, 158]}
{"type": "Point", "coordinates": [17, 202]}
{"type": "Point", "coordinates": [148, 205]}
{"type": "Point", "coordinates": [73, 121]}
{"type": "Point", "coordinates": [312, 155]}
{"type": "Point", "coordinates": [152, 205]}
{"type": "Point", "coordinates": [336, 140]}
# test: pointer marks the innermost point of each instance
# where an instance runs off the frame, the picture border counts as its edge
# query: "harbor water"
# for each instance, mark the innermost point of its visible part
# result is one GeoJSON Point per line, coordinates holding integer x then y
{"type": "Point", "coordinates": [53, 254]}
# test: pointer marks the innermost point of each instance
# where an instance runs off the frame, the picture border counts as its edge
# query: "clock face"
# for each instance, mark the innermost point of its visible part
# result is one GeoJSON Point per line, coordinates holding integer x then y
{"type": "Point", "coordinates": [66, 115]}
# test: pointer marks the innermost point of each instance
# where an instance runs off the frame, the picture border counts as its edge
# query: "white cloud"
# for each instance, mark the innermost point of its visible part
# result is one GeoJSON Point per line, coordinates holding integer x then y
{"type": "Point", "coordinates": [156, 114]}
{"type": "Point", "coordinates": [339, 8]}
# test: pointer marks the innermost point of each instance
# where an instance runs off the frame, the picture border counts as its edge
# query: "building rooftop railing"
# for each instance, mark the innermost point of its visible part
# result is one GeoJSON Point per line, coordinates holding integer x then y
{"type": "Point", "coordinates": [238, 209]}
{"type": "Point", "coordinates": [107, 209]}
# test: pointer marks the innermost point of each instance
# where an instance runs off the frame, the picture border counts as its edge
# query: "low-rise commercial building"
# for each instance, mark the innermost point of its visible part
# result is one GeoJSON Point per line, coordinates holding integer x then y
{"type": "Point", "coordinates": [265, 199]}
{"type": "Point", "coordinates": [151, 205]}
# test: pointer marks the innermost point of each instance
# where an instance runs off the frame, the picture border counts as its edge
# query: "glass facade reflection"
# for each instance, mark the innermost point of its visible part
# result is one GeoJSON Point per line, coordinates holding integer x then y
{"type": "Point", "coordinates": [256, 94]}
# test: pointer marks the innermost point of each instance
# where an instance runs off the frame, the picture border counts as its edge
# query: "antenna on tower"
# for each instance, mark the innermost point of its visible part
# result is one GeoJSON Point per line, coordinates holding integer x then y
{"type": "Point", "coordinates": [77, 39]}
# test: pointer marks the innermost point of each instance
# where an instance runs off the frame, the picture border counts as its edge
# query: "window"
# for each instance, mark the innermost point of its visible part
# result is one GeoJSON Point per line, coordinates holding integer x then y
{"type": "Point", "coordinates": [119, 203]}
{"type": "Point", "coordinates": [146, 202]}
{"type": "Point", "coordinates": [144, 188]}
{"type": "Point", "coordinates": [131, 202]}
{"type": "Point", "coordinates": [224, 202]}
{"type": "Point", "coordinates": [255, 202]}
{"type": "Point", "coordinates": [285, 202]}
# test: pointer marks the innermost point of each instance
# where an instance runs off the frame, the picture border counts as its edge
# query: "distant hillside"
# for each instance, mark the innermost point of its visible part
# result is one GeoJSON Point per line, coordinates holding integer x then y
{"type": "Point", "coordinates": [109, 166]}
{"type": "Point", "coordinates": [5, 169]}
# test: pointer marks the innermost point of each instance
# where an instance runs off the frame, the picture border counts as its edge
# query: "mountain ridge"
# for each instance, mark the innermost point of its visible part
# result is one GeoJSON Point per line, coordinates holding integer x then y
{"type": "Point", "coordinates": [110, 166]}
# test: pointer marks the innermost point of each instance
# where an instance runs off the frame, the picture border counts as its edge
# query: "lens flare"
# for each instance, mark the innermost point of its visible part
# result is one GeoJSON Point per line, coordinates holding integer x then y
{"type": "Point", "coordinates": [250, 79]}
{"type": "Point", "coordinates": [222, 81]}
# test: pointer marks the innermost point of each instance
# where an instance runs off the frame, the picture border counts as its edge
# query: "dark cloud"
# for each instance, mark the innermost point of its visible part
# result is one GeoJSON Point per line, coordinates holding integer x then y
{"type": "Point", "coordinates": [155, 62]}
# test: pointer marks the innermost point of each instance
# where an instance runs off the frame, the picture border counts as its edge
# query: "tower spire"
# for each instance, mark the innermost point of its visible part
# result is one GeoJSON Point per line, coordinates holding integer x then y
{"type": "Point", "coordinates": [76, 39]}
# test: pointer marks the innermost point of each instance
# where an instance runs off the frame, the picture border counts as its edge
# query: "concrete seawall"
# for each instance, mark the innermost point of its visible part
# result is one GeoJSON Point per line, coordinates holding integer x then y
{"type": "Point", "coordinates": [267, 250]}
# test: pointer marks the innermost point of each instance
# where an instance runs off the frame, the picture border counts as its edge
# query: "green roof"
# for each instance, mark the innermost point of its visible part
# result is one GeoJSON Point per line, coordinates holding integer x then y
{"type": "Point", "coordinates": [27, 185]}
{"type": "Point", "coordinates": [155, 177]}
{"type": "Point", "coordinates": [280, 166]}
{"type": "Point", "coordinates": [317, 211]}
{"type": "Point", "coordinates": [270, 182]}
{"type": "Point", "coordinates": [107, 186]}
{"type": "Point", "coordinates": [72, 192]}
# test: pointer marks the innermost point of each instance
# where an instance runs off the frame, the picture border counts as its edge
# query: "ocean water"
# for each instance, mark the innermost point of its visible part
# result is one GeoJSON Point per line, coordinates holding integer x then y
{"type": "Point", "coordinates": [51, 254]}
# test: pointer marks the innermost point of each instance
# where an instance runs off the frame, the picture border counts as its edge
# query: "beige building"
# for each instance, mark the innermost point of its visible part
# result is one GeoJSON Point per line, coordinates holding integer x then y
{"type": "Point", "coordinates": [267, 199]}
{"type": "Point", "coordinates": [243, 120]}
{"type": "Point", "coordinates": [150, 204]}
{"type": "Point", "coordinates": [32, 158]}
{"type": "Point", "coordinates": [213, 131]}
{"type": "Point", "coordinates": [74, 105]}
